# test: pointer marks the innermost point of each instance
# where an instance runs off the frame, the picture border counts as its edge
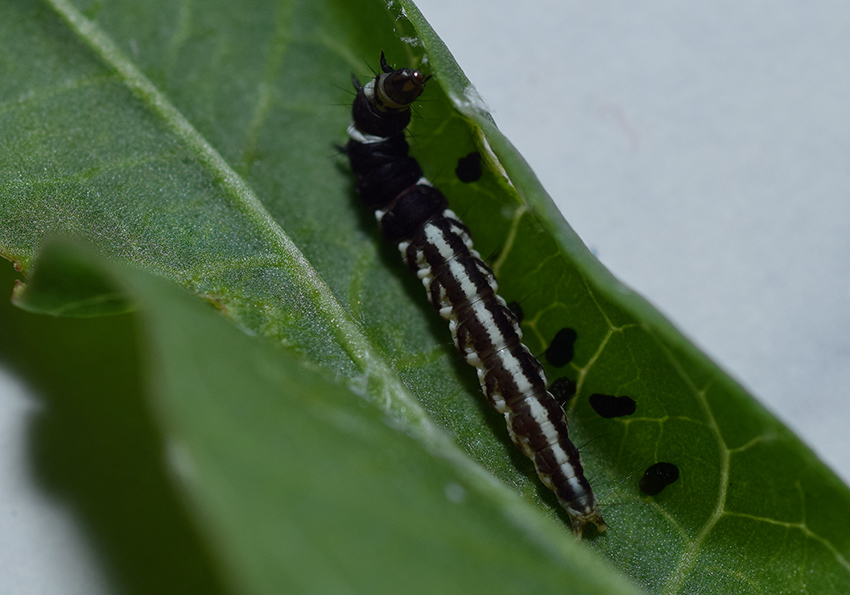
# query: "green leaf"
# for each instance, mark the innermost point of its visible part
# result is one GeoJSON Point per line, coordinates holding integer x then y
{"type": "Point", "coordinates": [197, 144]}
{"type": "Point", "coordinates": [301, 485]}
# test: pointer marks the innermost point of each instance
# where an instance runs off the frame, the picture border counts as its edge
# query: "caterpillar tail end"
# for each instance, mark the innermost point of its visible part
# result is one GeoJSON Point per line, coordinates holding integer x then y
{"type": "Point", "coordinates": [579, 522]}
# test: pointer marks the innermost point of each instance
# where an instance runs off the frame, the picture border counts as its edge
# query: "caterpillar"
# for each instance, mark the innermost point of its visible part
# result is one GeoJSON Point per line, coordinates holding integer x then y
{"type": "Point", "coordinates": [436, 246]}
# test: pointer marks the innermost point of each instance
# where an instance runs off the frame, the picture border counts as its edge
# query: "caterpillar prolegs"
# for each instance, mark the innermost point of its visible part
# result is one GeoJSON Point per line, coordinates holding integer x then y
{"type": "Point", "coordinates": [437, 246]}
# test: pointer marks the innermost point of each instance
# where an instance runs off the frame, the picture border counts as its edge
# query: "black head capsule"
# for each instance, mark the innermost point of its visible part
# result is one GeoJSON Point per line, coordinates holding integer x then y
{"type": "Point", "coordinates": [382, 106]}
{"type": "Point", "coordinates": [396, 89]}
{"type": "Point", "coordinates": [400, 88]}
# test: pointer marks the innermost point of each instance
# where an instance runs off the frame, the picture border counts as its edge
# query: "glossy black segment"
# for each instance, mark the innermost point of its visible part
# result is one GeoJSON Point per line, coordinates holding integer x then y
{"type": "Point", "coordinates": [560, 351]}
{"type": "Point", "coordinates": [381, 185]}
{"type": "Point", "coordinates": [517, 310]}
{"type": "Point", "coordinates": [609, 406]}
{"type": "Point", "coordinates": [371, 120]}
{"type": "Point", "coordinates": [563, 389]}
{"type": "Point", "coordinates": [365, 157]}
{"type": "Point", "coordinates": [410, 210]}
{"type": "Point", "coordinates": [469, 168]}
{"type": "Point", "coordinates": [657, 477]}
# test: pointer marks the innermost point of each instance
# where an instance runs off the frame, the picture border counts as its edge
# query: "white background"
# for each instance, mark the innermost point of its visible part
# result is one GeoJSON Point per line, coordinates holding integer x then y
{"type": "Point", "coordinates": [702, 150]}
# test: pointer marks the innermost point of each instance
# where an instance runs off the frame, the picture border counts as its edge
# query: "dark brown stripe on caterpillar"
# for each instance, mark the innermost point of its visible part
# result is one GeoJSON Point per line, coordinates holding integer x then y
{"type": "Point", "coordinates": [437, 246]}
